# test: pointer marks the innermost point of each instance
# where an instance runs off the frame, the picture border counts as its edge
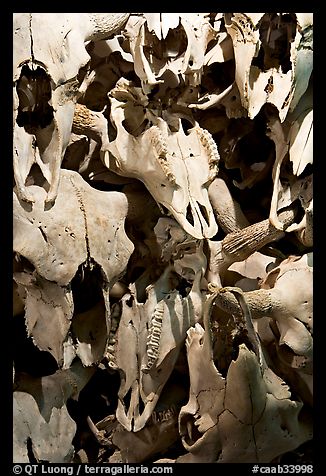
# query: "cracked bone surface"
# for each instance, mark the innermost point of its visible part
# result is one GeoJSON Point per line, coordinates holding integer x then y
{"type": "Point", "coordinates": [219, 406]}
{"type": "Point", "coordinates": [266, 47]}
{"type": "Point", "coordinates": [61, 242]}
{"type": "Point", "coordinates": [239, 245]}
{"type": "Point", "coordinates": [40, 410]}
{"type": "Point", "coordinates": [163, 237]}
{"type": "Point", "coordinates": [177, 43]}
{"type": "Point", "coordinates": [155, 331]}
{"type": "Point", "coordinates": [49, 50]}
{"type": "Point", "coordinates": [286, 299]}
{"type": "Point", "coordinates": [175, 165]}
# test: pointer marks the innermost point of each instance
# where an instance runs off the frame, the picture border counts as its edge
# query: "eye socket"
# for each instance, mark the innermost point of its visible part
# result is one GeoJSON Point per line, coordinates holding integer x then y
{"type": "Point", "coordinates": [129, 301]}
{"type": "Point", "coordinates": [22, 264]}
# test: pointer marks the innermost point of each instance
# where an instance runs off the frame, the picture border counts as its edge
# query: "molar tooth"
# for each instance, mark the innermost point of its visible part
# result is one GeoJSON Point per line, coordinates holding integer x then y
{"type": "Point", "coordinates": [155, 337]}
{"type": "Point", "coordinates": [151, 352]}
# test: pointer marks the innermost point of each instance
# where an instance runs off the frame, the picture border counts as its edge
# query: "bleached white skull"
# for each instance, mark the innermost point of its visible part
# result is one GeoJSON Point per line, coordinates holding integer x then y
{"type": "Point", "coordinates": [159, 433]}
{"type": "Point", "coordinates": [268, 66]}
{"type": "Point", "coordinates": [83, 232]}
{"type": "Point", "coordinates": [175, 165]}
{"type": "Point", "coordinates": [233, 417]}
{"type": "Point", "coordinates": [43, 430]}
{"type": "Point", "coordinates": [173, 42]}
{"type": "Point", "coordinates": [49, 50]}
{"type": "Point", "coordinates": [291, 287]}
{"type": "Point", "coordinates": [154, 332]}
{"type": "Point", "coordinates": [294, 149]}
{"type": "Point", "coordinates": [285, 297]}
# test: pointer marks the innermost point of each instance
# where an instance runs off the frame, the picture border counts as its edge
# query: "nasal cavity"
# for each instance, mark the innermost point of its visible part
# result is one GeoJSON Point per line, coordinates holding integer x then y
{"type": "Point", "coordinates": [34, 93]}
{"type": "Point", "coordinates": [204, 213]}
{"type": "Point", "coordinates": [189, 215]}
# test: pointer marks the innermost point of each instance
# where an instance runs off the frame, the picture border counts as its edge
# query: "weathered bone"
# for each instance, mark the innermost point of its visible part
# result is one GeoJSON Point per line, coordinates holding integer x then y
{"type": "Point", "coordinates": [49, 50]}
{"type": "Point", "coordinates": [154, 438]}
{"type": "Point", "coordinates": [160, 431]}
{"type": "Point", "coordinates": [41, 416]}
{"type": "Point", "coordinates": [213, 412]}
{"type": "Point", "coordinates": [183, 38]}
{"type": "Point", "coordinates": [229, 99]}
{"type": "Point", "coordinates": [155, 331]}
{"type": "Point", "coordinates": [90, 123]}
{"type": "Point", "coordinates": [286, 298]}
{"type": "Point", "coordinates": [57, 242]}
{"type": "Point", "coordinates": [187, 255]}
{"type": "Point", "coordinates": [299, 145]}
{"type": "Point", "coordinates": [251, 271]}
{"type": "Point", "coordinates": [239, 245]}
{"type": "Point", "coordinates": [227, 210]}
{"type": "Point", "coordinates": [86, 291]}
{"type": "Point", "coordinates": [266, 67]}
{"type": "Point", "coordinates": [276, 300]}
{"type": "Point", "coordinates": [175, 167]}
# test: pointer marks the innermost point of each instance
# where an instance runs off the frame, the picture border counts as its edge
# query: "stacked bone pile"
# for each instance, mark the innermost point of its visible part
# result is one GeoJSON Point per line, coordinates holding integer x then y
{"type": "Point", "coordinates": [162, 237]}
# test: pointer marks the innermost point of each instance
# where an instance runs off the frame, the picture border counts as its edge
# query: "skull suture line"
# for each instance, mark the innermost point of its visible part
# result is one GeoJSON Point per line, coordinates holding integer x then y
{"type": "Point", "coordinates": [218, 426]}
{"type": "Point", "coordinates": [176, 167]}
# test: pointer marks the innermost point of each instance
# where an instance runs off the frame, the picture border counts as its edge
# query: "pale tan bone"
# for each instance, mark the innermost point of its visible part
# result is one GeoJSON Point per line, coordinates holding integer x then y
{"type": "Point", "coordinates": [188, 259]}
{"type": "Point", "coordinates": [295, 139]}
{"type": "Point", "coordinates": [253, 270]}
{"type": "Point", "coordinates": [300, 133]}
{"type": "Point", "coordinates": [286, 298]}
{"type": "Point", "coordinates": [222, 406]}
{"type": "Point", "coordinates": [183, 37]}
{"type": "Point", "coordinates": [252, 32]}
{"type": "Point", "coordinates": [57, 242]}
{"type": "Point", "coordinates": [155, 331]}
{"type": "Point", "coordinates": [239, 245]}
{"type": "Point", "coordinates": [154, 438]}
{"type": "Point", "coordinates": [55, 45]}
{"type": "Point", "coordinates": [41, 415]}
{"type": "Point", "coordinates": [279, 300]}
{"type": "Point", "coordinates": [227, 210]}
{"type": "Point", "coordinates": [175, 167]}
{"type": "Point", "coordinates": [223, 49]}
{"type": "Point", "coordinates": [229, 100]}
{"type": "Point", "coordinates": [90, 123]}
{"type": "Point", "coordinates": [159, 433]}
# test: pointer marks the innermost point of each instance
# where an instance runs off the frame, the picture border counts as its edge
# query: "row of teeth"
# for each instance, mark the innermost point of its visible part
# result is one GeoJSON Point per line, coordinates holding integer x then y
{"type": "Point", "coordinates": [164, 415]}
{"type": "Point", "coordinates": [209, 143]}
{"type": "Point", "coordinates": [154, 335]}
{"type": "Point", "coordinates": [115, 319]}
{"type": "Point", "coordinates": [161, 151]}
